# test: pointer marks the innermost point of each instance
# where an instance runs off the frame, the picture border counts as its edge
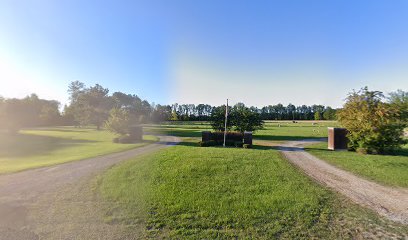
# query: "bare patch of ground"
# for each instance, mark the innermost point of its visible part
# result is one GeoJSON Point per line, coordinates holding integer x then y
{"type": "Point", "coordinates": [389, 202]}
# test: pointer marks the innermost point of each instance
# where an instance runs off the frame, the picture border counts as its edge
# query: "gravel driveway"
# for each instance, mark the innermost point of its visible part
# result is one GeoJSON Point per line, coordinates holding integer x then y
{"type": "Point", "coordinates": [387, 201]}
{"type": "Point", "coordinates": [22, 192]}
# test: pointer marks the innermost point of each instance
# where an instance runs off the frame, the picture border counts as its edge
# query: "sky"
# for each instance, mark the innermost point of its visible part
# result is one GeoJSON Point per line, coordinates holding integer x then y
{"type": "Point", "coordinates": [256, 52]}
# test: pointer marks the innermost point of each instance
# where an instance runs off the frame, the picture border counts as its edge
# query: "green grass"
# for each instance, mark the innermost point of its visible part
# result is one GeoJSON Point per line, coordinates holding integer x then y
{"type": "Point", "coordinates": [385, 169]}
{"type": "Point", "coordinates": [216, 193]}
{"type": "Point", "coordinates": [287, 131]}
{"type": "Point", "coordinates": [48, 146]}
{"type": "Point", "coordinates": [273, 130]}
{"type": "Point", "coordinates": [188, 192]}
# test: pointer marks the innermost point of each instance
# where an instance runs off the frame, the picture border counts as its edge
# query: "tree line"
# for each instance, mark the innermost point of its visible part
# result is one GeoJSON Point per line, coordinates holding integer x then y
{"type": "Point", "coordinates": [91, 106]}
{"type": "Point", "coordinates": [30, 111]}
{"type": "Point", "coordinates": [94, 105]}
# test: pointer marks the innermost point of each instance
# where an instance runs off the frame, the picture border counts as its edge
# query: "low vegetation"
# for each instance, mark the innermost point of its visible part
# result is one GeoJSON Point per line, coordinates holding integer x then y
{"type": "Point", "coordinates": [219, 193]}
{"type": "Point", "coordinates": [49, 146]}
{"type": "Point", "coordinates": [385, 169]}
{"type": "Point", "coordinates": [374, 126]}
{"type": "Point", "coordinates": [188, 192]}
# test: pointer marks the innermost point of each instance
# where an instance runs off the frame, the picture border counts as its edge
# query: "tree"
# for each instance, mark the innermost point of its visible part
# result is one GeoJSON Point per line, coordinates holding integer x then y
{"type": "Point", "coordinates": [128, 101]}
{"type": "Point", "coordinates": [49, 113]}
{"type": "Point", "coordinates": [373, 125]}
{"type": "Point", "coordinates": [91, 105]}
{"type": "Point", "coordinates": [329, 114]}
{"type": "Point", "coordinates": [245, 119]}
{"type": "Point", "coordinates": [240, 117]}
{"type": "Point", "coordinates": [290, 111]}
{"type": "Point", "coordinates": [218, 118]}
{"type": "Point", "coordinates": [399, 100]}
{"type": "Point", "coordinates": [317, 116]}
{"type": "Point", "coordinates": [120, 120]}
{"type": "Point", "coordinates": [30, 111]}
{"type": "Point", "coordinates": [161, 113]}
{"type": "Point", "coordinates": [75, 89]}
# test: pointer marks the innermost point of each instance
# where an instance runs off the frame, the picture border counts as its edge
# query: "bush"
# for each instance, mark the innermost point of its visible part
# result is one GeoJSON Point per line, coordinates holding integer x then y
{"type": "Point", "coordinates": [372, 124]}
{"type": "Point", "coordinates": [247, 145]}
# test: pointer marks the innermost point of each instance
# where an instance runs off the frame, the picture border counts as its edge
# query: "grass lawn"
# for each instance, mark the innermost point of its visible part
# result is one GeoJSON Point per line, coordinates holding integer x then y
{"type": "Point", "coordinates": [287, 130]}
{"type": "Point", "coordinates": [273, 130]}
{"type": "Point", "coordinates": [385, 169]}
{"type": "Point", "coordinates": [188, 192]}
{"type": "Point", "coordinates": [48, 146]}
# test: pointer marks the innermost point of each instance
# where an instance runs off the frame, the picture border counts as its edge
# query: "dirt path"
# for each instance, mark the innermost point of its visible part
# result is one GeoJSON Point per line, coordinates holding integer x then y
{"type": "Point", "coordinates": [387, 201]}
{"type": "Point", "coordinates": [21, 194]}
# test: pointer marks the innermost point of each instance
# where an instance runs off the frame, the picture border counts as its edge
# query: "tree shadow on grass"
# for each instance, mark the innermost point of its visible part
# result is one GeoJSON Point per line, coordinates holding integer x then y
{"type": "Point", "coordinates": [177, 133]}
{"type": "Point", "coordinates": [188, 144]}
{"type": "Point", "coordinates": [263, 147]}
{"type": "Point", "coordinates": [195, 127]}
{"type": "Point", "coordinates": [25, 145]}
{"type": "Point", "coordinates": [68, 130]}
{"type": "Point", "coordinates": [319, 149]}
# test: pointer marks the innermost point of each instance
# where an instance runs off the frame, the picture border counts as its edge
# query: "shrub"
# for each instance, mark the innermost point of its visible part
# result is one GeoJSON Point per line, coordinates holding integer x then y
{"type": "Point", "coordinates": [372, 124]}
